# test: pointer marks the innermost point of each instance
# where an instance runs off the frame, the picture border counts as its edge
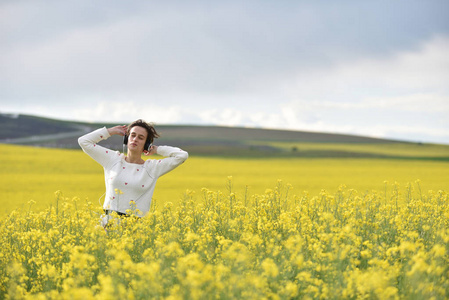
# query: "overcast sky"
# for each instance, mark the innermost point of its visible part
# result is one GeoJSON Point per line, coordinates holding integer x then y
{"type": "Point", "coordinates": [373, 68]}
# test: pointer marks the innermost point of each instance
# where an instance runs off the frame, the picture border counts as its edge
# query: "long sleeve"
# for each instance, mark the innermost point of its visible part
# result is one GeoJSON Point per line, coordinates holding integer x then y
{"type": "Point", "coordinates": [100, 154]}
{"type": "Point", "coordinates": [173, 157]}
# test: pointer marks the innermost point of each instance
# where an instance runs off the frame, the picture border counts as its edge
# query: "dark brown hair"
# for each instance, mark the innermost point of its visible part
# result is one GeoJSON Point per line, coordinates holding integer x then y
{"type": "Point", "coordinates": [152, 134]}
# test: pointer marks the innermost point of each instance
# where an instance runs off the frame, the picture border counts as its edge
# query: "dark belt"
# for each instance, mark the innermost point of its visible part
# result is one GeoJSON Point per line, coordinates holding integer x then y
{"type": "Point", "coordinates": [117, 212]}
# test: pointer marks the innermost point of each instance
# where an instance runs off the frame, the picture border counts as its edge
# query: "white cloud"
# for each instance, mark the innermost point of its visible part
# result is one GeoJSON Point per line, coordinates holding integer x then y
{"type": "Point", "coordinates": [423, 71]}
{"type": "Point", "coordinates": [424, 103]}
{"type": "Point", "coordinates": [405, 94]}
{"type": "Point", "coordinates": [113, 111]}
{"type": "Point", "coordinates": [224, 117]}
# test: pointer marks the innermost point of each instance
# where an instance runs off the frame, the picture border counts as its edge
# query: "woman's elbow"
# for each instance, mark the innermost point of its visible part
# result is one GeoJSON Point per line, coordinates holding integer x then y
{"type": "Point", "coordinates": [82, 142]}
{"type": "Point", "coordinates": [184, 155]}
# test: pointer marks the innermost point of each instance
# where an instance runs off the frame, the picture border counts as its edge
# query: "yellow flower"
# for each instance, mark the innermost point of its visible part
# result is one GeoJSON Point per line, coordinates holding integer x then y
{"type": "Point", "coordinates": [270, 268]}
{"type": "Point", "coordinates": [439, 250]}
{"type": "Point", "coordinates": [291, 290]}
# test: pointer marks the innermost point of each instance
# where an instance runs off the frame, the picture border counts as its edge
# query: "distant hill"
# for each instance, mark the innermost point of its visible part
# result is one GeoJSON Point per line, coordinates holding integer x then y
{"type": "Point", "coordinates": [199, 140]}
{"type": "Point", "coordinates": [18, 126]}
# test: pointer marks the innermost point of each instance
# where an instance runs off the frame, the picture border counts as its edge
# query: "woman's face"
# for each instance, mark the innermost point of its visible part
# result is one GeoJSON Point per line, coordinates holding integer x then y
{"type": "Point", "coordinates": [137, 138]}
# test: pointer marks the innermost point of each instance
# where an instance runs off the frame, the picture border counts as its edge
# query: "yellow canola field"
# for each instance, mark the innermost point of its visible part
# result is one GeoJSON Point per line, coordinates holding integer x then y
{"type": "Point", "coordinates": [29, 173]}
{"type": "Point", "coordinates": [348, 245]}
{"type": "Point", "coordinates": [227, 229]}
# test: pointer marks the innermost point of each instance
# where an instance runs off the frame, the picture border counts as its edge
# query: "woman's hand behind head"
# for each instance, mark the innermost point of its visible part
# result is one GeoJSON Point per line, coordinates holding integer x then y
{"type": "Point", "coordinates": [118, 130]}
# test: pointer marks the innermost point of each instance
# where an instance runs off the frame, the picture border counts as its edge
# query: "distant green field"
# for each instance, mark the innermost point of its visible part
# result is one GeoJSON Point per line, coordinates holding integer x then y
{"type": "Point", "coordinates": [36, 173]}
{"type": "Point", "coordinates": [395, 150]}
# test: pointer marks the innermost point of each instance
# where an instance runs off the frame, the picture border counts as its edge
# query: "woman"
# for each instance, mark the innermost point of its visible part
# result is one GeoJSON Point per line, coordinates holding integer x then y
{"type": "Point", "coordinates": [130, 180]}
